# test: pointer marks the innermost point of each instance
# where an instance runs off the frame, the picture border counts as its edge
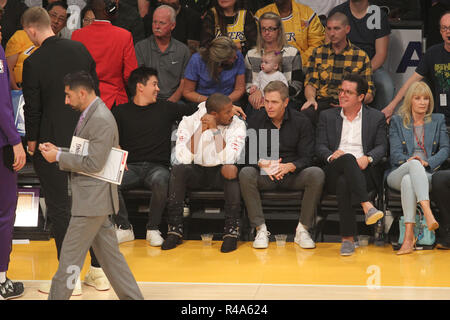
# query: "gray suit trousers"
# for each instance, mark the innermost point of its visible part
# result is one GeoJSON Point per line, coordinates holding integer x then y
{"type": "Point", "coordinates": [98, 232]}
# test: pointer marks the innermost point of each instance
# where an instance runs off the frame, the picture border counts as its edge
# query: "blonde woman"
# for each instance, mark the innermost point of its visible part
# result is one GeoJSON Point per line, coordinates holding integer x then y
{"type": "Point", "coordinates": [217, 69]}
{"type": "Point", "coordinates": [419, 144]}
{"type": "Point", "coordinates": [271, 37]}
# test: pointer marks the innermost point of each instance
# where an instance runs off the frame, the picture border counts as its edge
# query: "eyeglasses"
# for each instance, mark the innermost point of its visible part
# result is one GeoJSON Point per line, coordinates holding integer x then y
{"type": "Point", "coordinates": [270, 29]}
{"type": "Point", "coordinates": [445, 28]}
{"type": "Point", "coordinates": [346, 92]}
{"type": "Point", "coordinates": [60, 19]}
{"type": "Point", "coordinates": [87, 20]}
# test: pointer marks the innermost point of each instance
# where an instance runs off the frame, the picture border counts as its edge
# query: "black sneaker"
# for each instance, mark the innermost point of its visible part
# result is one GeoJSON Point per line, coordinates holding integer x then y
{"type": "Point", "coordinates": [171, 242]}
{"type": "Point", "coordinates": [10, 290]}
{"type": "Point", "coordinates": [229, 244]}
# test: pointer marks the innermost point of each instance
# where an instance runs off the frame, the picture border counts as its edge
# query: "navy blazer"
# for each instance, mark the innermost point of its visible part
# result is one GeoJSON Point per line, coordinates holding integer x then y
{"type": "Point", "coordinates": [402, 141]}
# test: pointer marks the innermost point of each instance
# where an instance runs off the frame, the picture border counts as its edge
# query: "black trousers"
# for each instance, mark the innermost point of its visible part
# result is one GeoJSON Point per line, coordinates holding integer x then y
{"type": "Point", "coordinates": [440, 191]}
{"type": "Point", "coordinates": [350, 184]}
{"type": "Point", "coordinates": [54, 183]}
{"type": "Point", "coordinates": [192, 176]}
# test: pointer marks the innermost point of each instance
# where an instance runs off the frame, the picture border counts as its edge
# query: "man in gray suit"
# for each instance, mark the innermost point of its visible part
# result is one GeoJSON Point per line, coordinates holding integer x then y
{"type": "Point", "coordinates": [92, 199]}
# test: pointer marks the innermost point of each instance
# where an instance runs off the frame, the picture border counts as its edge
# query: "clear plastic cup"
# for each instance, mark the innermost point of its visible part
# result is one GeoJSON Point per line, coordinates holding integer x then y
{"type": "Point", "coordinates": [207, 239]}
{"type": "Point", "coordinates": [281, 239]}
{"type": "Point", "coordinates": [363, 240]}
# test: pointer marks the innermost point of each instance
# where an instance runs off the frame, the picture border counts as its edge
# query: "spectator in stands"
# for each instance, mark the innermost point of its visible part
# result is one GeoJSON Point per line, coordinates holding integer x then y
{"type": "Point", "coordinates": [432, 24]}
{"type": "Point", "coordinates": [218, 69]}
{"type": "Point", "coordinates": [145, 125]}
{"type": "Point", "coordinates": [187, 27]}
{"type": "Point", "coordinates": [18, 48]}
{"type": "Point", "coordinates": [328, 65]}
{"type": "Point", "coordinates": [434, 67]}
{"type": "Point", "coordinates": [10, 148]}
{"type": "Point", "coordinates": [113, 51]}
{"type": "Point", "coordinates": [322, 8]}
{"type": "Point", "coordinates": [87, 16]}
{"type": "Point", "coordinates": [10, 22]}
{"type": "Point", "coordinates": [419, 145]}
{"type": "Point", "coordinates": [165, 54]}
{"type": "Point", "coordinates": [301, 24]}
{"type": "Point", "coordinates": [351, 141]}
{"type": "Point", "coordinates": [128, 18]}
{"type": "Point", "coordinates": [48, 119]}
{"type": "Point", "coordinates": [229, 18]}
{"type": "Point", "coordinates": [292, 171]}
{"type": "Point", "coordinates": [209, 144]}
{"type": "Point", "coordinates": [374, 41]}
{"type": "Point", "coordinates": [57, 11]}
{"type": "Point", "coordinates": [271, 38]}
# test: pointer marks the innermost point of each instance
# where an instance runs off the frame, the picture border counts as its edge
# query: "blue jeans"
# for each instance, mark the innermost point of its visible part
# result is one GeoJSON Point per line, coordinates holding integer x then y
{"type": "Point", "coordinates": [151, 176]}
{"type": "Point", "coordinates": [384, 88]}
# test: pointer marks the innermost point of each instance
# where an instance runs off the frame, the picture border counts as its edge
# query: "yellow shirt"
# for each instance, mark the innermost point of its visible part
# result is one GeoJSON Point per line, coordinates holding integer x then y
{"type": "Point", "coordinates": [302, 28]}
{"type": "Point", "coordinates": [236, 30]}
{"type": "Point", "coordinates": [19, 44]}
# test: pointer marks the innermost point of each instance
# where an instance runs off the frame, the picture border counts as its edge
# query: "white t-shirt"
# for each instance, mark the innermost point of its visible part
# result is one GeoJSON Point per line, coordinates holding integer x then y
{"type": "Point", "coordinates": [263, 79]}
{"type": "Point", "coordinates": [321, 7]}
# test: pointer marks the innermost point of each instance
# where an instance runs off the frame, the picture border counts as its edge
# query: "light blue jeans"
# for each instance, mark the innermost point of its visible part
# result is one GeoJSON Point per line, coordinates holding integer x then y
{"type": "Point", "coordinates": [384, 88]}
{"type": "Point", "coordinates": [414, 184]}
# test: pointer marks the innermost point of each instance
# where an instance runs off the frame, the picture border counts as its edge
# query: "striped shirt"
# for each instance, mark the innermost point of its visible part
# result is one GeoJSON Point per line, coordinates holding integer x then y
{"type": "Point", "coordinates": [291, 69]}
{"type": "Point", "coordinates": [326, 69]}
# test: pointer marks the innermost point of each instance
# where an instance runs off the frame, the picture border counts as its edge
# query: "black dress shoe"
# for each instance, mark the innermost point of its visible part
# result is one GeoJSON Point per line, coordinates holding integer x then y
{"type": "Point", "coordinates": [171, 242]}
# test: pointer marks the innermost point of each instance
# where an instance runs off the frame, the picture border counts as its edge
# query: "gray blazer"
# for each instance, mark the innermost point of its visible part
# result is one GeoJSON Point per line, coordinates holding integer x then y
{"type": "Point", "coordinates": [90, 196]}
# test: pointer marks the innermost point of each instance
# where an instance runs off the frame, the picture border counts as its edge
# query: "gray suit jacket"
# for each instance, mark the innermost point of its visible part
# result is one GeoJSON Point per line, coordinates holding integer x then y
{"type": "Point", "coordinates": [90, 196]}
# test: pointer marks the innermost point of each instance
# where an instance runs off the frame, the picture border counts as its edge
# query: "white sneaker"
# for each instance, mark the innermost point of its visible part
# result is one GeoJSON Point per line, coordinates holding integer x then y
{"type": "Point", "coordinates": [262, 239]}
{"type": "Point", "coordinates": [96, 278]}
{"type": "Point", "coordinates": [45, 288]}
{"type": "Point", "coordinates": [124, 235]}
{"type": "Point", "coordinates": [303, 239]}
{"type": "Point", "coordinates": [154, 238]}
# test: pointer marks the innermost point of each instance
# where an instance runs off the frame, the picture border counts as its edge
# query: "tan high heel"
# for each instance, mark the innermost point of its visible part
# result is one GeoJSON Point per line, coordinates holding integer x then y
{"type": "Point", "coordinates": [433, 226]}
{"type": "Point", "coordinates": [409, 250]}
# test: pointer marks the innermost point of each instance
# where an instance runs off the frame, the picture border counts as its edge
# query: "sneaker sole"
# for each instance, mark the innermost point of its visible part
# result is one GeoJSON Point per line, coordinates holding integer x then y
{"type": "Point", "coordinates": [260, 247]}
{"type": "Point", "coordinates": [93, 286]}
{"type": "Point", "coordinates": [374, 218]}
{"type": "Point", "coordinates": [347, 254]}
{"type": "Point", "coordinates": [12, 297]}
{"type": "Point", "coordinates": [304, 247]}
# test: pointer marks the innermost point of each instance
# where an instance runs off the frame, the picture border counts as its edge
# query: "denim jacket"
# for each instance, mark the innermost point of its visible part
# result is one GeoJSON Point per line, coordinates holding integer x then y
{"type": "Point", "coordinates": [402, 141]}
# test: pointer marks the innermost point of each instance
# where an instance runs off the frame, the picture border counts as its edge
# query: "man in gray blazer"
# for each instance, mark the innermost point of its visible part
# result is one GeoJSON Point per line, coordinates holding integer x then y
{"type": "Point", "coordinates": [92, 199]}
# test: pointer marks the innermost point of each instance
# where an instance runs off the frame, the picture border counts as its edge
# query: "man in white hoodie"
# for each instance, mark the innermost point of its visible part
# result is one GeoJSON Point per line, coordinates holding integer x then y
{"type": "Point", "coordinates": [209, 143]}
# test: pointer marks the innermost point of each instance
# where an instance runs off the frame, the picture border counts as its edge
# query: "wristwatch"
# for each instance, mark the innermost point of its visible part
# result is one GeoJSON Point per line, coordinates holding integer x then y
{"type": "Point", "coordinates": [215, 133]}
{"type": "Point", "coordinates": [370, 159]}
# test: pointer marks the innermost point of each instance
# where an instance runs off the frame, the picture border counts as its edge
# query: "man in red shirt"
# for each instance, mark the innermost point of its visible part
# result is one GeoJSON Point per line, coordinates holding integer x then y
{"type": "Point", "coordinates": [112, 49]}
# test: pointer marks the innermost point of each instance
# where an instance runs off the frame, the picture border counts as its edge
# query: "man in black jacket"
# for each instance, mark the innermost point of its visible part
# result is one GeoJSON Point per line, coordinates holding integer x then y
{"type": "Point", "coordinates": [351, 140]}
{"type": "Point", "coordinates": [47, 118]}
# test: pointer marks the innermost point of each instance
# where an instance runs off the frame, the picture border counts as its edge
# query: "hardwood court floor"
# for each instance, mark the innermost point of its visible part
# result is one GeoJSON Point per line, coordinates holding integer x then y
{"type": "Point", "coordinates": [193, 271]}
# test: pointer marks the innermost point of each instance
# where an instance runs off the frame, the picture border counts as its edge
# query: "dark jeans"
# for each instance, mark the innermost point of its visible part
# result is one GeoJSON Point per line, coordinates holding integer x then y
{"type": "Point", "coordinates": [350, 184]}
{"type": "Point", "coordinates": [193, 176]}
{"type": "Point", "coordinates": [440, 191]}
{"type": "Point", "coordinates": [54, 183]}
{"type": "Point", "coordinates": [152, 176]}
{"type": "Point", "coordinates": [322, 104]}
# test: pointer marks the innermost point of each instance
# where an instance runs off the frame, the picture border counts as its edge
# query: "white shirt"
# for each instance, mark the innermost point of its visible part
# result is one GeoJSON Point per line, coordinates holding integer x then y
{"type": "Point", "coordinates": [351, 136]}
{"type": "Point", "coordinates": [321, 7]}
{"type": "Point", "coordinates": [207, 156]}
{"type": "Point", "coordinates": [263, 79]}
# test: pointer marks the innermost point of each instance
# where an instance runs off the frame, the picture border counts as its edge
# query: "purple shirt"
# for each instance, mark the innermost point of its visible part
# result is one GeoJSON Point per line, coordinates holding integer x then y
{"type": "Point", "coordinates": [196, 70]}
{"type": "Point", "coordinates": [8, 131]}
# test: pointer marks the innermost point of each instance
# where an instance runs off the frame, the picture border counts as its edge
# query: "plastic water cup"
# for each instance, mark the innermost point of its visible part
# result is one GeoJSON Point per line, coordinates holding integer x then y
{"type": "Point", "coordinates": [207, 239]}
{"type": "Point", "coordinates": [281, 239]}
{"type": "Point", "coordinates": [363, 240]}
